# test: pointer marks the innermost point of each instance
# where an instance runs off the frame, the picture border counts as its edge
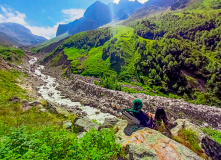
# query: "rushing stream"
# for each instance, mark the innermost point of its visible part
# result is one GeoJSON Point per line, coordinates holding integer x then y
{"type": "Point", "coordinates": [51, 94]}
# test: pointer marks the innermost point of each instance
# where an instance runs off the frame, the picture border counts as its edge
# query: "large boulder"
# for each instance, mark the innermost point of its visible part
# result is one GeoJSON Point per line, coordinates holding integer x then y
{"type": "Point", "coordinates": [150, 144]}
{"type": "Point", "coordinates": [85, 124]}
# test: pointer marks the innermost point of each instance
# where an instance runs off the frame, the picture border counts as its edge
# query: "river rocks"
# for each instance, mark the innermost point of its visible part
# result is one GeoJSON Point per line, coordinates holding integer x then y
{"type": "Point", "coordinates": [150, 144]}
{"type": "Point", "coordinates": [28, 105]}
{"type": "Point", "coordinates": [117, 100]}
{"type": "Point", "coordinates": [85, 124]}
{"type": "Point", "coordinates": [34, 103]}
{"type": "Point", "coordinates": [51, 107]}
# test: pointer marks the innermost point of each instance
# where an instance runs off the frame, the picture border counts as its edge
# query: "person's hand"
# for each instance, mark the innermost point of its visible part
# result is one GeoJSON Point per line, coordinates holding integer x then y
{"type": "Point", "coordinates": [151, 115]}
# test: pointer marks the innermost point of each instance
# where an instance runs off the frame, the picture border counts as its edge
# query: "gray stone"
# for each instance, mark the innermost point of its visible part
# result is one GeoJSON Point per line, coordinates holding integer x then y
{"type": "Point", "coordinates": [43, 110]}
{"type": "Point", "coordinates": [34, 103]}
{"type": "Point", "coordinates": [52, 108]}
{"type": "Point", "coordinates": [14, 99]}
{"type": "Point", "coordinates": [85, 124]}
{"type": "Point", "coordinates": [108, 122]}
{"type": "Point", "coordinates": [40, 106]}
{"type": "Point", "coordinates": [67, 124]}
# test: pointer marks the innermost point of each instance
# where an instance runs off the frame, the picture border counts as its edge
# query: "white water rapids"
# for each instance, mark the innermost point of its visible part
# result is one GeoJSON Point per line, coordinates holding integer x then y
{"type": "Point", "coordinates": [51, 94]}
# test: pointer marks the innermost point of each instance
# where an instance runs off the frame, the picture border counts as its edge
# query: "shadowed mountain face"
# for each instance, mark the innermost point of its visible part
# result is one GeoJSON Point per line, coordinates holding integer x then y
{"type": "Point", "coordinates": [95, 16]}
{"type": "Point", "coordinates": [17, 34]}
{"type": "Point", "coordinates": [99, 14]}
{"type": "Point", "coordinates": [180, 4]}
{"type": "Point", "coordinates": [161, 3]}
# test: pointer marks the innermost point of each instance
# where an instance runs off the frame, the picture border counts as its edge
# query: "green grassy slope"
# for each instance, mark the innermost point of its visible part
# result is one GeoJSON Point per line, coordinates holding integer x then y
{"type": "Point", "coordinates": [33, 134]}
{"type": "Point", "coordinates": [176, 54]}
{"type": "Point", "coordinates": [41, 47]}
{"type": "Point", "coordinates": [11, 54]}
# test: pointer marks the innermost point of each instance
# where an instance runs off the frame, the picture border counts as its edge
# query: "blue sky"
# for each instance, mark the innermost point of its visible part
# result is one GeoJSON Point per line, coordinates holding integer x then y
{"type": "Point", "coordinates": [43, 16]}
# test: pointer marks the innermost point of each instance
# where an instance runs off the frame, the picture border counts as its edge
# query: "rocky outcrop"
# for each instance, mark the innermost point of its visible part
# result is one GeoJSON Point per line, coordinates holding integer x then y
{"type": "Point", "coordinates": [210, 147]}
{"type": "Point", "coordinates": [114, 101]}
{"type": "Point", "coordinates": [150, 144]}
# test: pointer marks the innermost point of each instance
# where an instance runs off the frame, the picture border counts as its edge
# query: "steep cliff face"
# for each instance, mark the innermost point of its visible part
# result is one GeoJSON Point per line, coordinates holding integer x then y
{"type": "Point", "coordinates": [99, 14]}
{"type": "Point", "coordinates": [96, 15]}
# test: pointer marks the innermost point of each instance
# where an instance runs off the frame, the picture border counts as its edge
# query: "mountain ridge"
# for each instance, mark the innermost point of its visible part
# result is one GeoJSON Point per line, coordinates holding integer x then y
{"type": "Point", "coordinates": [99, 14]}
{"type": "Point", "coordinates": [19, 35]}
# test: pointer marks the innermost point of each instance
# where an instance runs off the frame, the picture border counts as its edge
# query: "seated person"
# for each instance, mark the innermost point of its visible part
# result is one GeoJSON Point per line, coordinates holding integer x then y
{"type": "Point", "coordinates": [146, 119]}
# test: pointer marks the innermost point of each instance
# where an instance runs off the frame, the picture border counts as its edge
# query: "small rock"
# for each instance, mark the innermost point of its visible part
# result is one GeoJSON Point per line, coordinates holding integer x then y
{"type": "Point", "coordinates": [52, 108]}
{"type": "Point", "coordinates": [40, 106]}
{"type": "Point", "coordinates": [43, 110]}
{"type": "Point", "coordinates": [85, 124]}
{"type": "Point", "coordinates": [14, 99]}
{"type": "Point", "coordinates": [67, 124]}
{"type": "Point", "coordinates": [34, 103]}
{"type": "Point", "coordinates": [81, 134]}
{"type": "Point", "coordinates": [108, 122]}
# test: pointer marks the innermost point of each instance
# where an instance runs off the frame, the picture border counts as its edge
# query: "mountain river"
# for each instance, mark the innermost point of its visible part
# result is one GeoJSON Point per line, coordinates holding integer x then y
{"type": "Point", "coordinates": [51, 94]}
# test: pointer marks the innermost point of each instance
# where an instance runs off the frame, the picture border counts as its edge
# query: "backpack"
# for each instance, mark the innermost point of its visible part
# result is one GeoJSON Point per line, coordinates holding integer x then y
{"type": "Point", "coordinates": [129, 116]}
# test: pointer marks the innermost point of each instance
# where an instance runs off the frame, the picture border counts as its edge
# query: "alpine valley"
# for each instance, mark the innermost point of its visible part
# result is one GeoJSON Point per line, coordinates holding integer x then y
{"type": "Point", "coordinates": [63, 98]}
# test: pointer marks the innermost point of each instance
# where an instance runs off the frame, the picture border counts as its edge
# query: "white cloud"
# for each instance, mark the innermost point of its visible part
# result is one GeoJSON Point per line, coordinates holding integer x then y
{"type": "Point", "coordinates": [47, 32]}
{"type": "Point", "coordinates": [72, 14]}
{"type": "Point", "coordinates": [16, 17]}
{"type": "Point", "coordinates": [141, 1]}
{"type": "Point", "coordinates": [10, 16]}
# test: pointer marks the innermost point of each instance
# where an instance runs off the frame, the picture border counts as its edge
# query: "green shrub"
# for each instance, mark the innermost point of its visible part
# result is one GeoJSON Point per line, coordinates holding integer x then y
{"type": "Point", "coordinates": [111, 82]}
{"type": "Point", "coordinates": [189, 139]}
{"type": "Point", "coordinates": [53, 143]}
{"type": "Point", "coordinates": [206, 99]}
{"type": "Point", "coordinates": [96, 82]}
{"type": "Point", "coordinates": [11, 54]}
{"type": "Point", "coordinates": [215, 135]}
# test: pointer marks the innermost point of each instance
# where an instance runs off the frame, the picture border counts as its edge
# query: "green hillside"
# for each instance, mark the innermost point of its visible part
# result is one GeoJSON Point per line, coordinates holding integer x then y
{"type": "Point", "coordinates": [11, 54]}
{"type": "Point", "coordinates": [43, 45]}
{"type": "Point", "coordinates": [177, 54]}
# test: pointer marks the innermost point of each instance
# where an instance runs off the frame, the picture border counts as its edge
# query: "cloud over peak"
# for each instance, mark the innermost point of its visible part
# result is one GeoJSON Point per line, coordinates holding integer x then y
{"type": "Point", "coordinates": [72, 14]}
{"type": "Point", "coordinates": [141, 1]}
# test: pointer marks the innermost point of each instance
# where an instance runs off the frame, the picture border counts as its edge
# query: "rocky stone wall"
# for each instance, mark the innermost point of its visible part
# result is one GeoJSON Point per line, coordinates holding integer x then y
{"type": "Point", "coordinates": [114, 101]}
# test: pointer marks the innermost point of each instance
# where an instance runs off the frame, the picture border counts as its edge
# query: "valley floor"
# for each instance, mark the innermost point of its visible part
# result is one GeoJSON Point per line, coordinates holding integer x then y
{"type": "Point", "coordinates": [71, 93]}
{"type": "Point", "coordinates": [80, 96]}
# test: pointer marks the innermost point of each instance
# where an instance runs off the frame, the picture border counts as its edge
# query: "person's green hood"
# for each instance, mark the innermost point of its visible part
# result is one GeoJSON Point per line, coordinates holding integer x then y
{"type": "Point", "coordinates": [136, 107]}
